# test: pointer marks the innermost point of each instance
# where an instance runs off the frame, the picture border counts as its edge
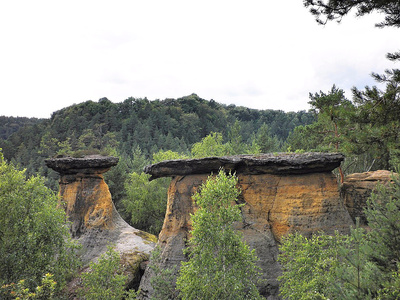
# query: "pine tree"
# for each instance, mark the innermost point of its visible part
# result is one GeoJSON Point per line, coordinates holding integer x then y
{"type": "Point", "coordinates": [337, 9]}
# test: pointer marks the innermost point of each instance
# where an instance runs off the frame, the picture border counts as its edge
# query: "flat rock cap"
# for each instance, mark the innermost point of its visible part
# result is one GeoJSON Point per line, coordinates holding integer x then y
{"type": "Point", "coordinates": [268, 163]}
{"type": "Point", "coordinates": [86, 164]}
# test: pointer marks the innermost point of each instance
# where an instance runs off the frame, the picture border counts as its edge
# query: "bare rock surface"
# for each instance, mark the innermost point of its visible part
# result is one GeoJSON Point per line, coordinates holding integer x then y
{"type": "Point", "coordinates": [268, 163]}
{"type": "Point", "coordinates": [95, 223]}
{"type": "Point", "coordinates": [357, 188]}
{"type": "Point", "coordinates": [88, 164]}
{"type": "Point", "coordinates": [281, 193]}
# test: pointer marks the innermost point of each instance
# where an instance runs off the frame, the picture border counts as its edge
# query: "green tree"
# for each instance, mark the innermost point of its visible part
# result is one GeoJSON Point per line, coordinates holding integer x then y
{"type": "Point", "coordinates": [377, 119]}
{"type": "Point", "coordinates": [304, 138]}
{"type": "Point", "coordinates": [34, 238]}
{"type": "Point", "coordinates": [20, 291]}
{"type": "Point", "coordinates": [211, 145]}
{"type": "Point", "coordinates": [383, 215]}
{"type": "Point", "coordinates": [145, 202]}
{"type": "Point", "coordinates": [306, 265]}
{"type": "Point", "coordinates": [337, 9]}
{"type": "Point", "coordinates": [104, 280]}
{"type": "Point", "coordinates": [333, 111]}
{"type": "Point", "coordinates": [221, 265]}
{"type": "Point", "coordinates": [118, 176]}
{"type": "Point", "coordinates": [327, 267]}
{"type": "Point", "coordinates": [163, 281]}
{"type": "Point", "coordinates": [266, 142]}
{"type": "Point", "coordinates": [331, 130]}
{"type": "Point", "coordinates": [362, 265]}
{"type": "Point", "coordinates": [167, 155]}
{"type": "Point", "coordinates": [236, 145]}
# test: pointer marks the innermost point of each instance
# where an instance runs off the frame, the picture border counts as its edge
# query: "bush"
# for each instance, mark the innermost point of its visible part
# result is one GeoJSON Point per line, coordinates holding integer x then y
{"type": "Point", "coordinates": [34, 238]}
{"type": "Point", "coordinates": [104, 280]}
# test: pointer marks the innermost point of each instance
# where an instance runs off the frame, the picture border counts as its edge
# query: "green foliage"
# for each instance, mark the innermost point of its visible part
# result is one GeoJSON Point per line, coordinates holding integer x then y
{"type": "Point", "coordinates": [377, 119]}
{"type": "Point", "coordinates": [366, 131]}
{"type": "Point", "coordinates": [221, 265]}
{"type": "Point", "coordinates": [391, 289]}
{"type": "Point", "coordinates": [327, 267]}
{"type": "Point", "coordinates": [336, 10]}
{"type": "Point", "coordinates": [329, 131]}
{"type": "Point", "coordinates": [236, 145]}
{"type": "Point", "coordinates": [362, 265]}
{"type": "Point", "coordinates": [163, 280]}
{"type": "Point", "coordinates": [265, 141]}
{"type": "Point", "coordinates": [383, 215]}
{"type": "Point", "coordinates": [307, 264]}
{"type": "Point", "coordinates": [34, 238]}
{"type": "Point", "coordinates": [211, 145]}
{"type": "Point", "coordinates": [170, 124]}
{"type": "Point", "coordinates": [10, 125]}
{"type": "Point", "coordinates": [104, 280]}
{"type": "Point", "coordinates": [355, 275]}
{"type": "Point", "coordinates": [118, 176]}
{"type": "Point", "coordinates": [20, 291]}
{"type": "Point", "coordinates": [145, 201]}
{"type": "Point", "coordinates": [167, 155]}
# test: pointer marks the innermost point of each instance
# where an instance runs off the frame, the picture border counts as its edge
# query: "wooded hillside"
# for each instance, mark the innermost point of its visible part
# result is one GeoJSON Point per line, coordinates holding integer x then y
{"type": "Point", "coordinates": [170, 124]}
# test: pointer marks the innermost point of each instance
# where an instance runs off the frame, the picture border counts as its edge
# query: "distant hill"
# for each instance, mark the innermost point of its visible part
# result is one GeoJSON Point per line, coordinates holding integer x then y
{"type": "Point", "coordinates": [170, 124]}
{"type": "Point", "coordinates": [9, 125]}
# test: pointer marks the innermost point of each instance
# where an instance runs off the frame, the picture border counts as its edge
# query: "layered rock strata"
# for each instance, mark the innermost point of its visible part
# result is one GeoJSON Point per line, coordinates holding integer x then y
{"type": "Point", "coordinates": [282, 193]}
{"type": "Point", "coordinates": [357, 188]}
{"type": "Point", "coordinates": [95, 223]}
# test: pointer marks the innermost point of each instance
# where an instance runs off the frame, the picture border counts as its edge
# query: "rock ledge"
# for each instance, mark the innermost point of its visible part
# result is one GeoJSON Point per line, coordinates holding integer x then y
{"type": "Point", "coordinates": [88, 164]}
{"type": "Point", "coordinates": [269, 163]}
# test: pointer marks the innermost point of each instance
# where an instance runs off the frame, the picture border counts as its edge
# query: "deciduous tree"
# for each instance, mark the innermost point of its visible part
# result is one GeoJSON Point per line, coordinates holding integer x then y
{"type": "Point", "coordinates": [221, 265]}
{"type": "Point", "coordinates": [34, 238]}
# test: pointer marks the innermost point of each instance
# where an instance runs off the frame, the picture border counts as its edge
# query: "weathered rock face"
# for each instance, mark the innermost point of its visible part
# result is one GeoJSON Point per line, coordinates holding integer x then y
{"type": "Point", "coordinates": [95, 222]}
{"type": "Point", "coordinates": [358, 187]}
{"type": "Point", "coordinates": [282, 194]}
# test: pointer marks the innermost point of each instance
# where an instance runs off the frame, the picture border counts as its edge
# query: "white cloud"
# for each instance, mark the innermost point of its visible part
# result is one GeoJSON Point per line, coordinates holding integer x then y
{"type": "Point", "coordinates": [257, 54]}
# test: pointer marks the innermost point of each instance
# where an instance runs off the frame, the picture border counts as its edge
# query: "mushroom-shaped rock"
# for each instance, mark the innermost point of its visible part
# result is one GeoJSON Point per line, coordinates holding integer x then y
{"type": "Point", "coordinates": [95, 222]}
{"type": "Point", "coordinates": [281, 193]}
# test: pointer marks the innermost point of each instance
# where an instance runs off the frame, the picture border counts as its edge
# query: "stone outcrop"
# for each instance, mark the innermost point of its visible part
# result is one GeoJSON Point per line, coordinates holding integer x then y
{"type": "Point", "coordinates": [282, 193]}
{"type": "Point", "coordinates": [267, 163]}
{"type": "Point", "coordinates": [95, 223]}
{"type": "Point", "coordinates": [357, 188]}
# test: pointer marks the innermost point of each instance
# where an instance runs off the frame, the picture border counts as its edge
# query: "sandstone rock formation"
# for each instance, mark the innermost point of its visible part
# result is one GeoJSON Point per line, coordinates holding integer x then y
{"type": "Point", "coordinates": [282, 193]}
{"type": "Point", "coordinates": [357, 188]}
{"type": "Point", "coordinates": [95, 222]}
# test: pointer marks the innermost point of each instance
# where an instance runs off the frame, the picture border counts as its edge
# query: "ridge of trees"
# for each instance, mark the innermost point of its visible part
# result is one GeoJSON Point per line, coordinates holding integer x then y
{"type": "Point", "coordinates": [170, 124]}
{"type": "Point", "coordinates": [9, 125]}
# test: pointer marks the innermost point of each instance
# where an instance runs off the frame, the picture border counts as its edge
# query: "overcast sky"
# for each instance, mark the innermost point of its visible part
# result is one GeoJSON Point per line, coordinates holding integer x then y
{"type": "Point", "coordinates": [258, 53]}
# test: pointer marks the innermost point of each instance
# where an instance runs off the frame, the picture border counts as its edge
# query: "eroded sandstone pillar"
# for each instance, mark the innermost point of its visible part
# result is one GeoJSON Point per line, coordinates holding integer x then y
{"type": "Point", "coordinates": [83, 192]}
{"type": "Point", "coordinates": [95, 223]}
{"type": "Point", "coordinates": [282, 194]}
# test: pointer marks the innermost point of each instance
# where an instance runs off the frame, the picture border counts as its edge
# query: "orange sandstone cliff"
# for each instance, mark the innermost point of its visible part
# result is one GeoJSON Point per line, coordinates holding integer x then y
{"type": "Point", "coordinates": [282, 193]}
